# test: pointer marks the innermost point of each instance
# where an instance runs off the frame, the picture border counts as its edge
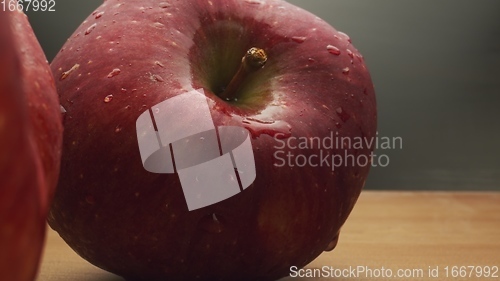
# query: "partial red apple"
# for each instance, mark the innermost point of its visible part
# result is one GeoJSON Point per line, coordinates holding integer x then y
{"type": "Point", "coordinates": [129, 56]}
{"type": "Point", "coordinates": [30, 147]}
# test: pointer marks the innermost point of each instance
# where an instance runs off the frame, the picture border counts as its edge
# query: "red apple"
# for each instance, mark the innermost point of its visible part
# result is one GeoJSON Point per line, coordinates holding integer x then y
{"type": "Point", "coordinates": [129, 56]}
{"type": "Point", "coordinates": [30, 146]}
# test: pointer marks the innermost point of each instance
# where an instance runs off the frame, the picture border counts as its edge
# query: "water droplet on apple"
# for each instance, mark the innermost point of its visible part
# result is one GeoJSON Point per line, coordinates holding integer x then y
{"type": "Point", "coordinates": [118, 129]}
{"type": "Point", "coordinates": [156, 78]}
{"type": "Point", "coordinates": [114, 72]}
{"type": "Point", "coordinates": [212, 223]}
{"type": "Point", "coordinates": [159, 64]}
{"type": "Point", "coordinates": [257, 2]}
{"type": "Point", "coordinates": [299, 39]}
{"type": "Point", "coordinates": [333, 50]}
{"type": "Point", "coordinates": [332, 243]}
{"type": "Point", "coordinates": [350, 53]}
{"type": "Point", "coordinates": [345, 36]}
{"type": "Point", "coordinates": [108, 98]}
{"type": "Point", "coordinates": [164, 5]}
{"type": "Point", "coordinates": [346, 70]}
{"type": "Point", "coordinates": [65, 74]}
{"type": "Point", "coordinates": [279, 129]}
{"type": "Point", "coordinates": [98, 15]}
{"type": "Point", "coordinates": [89, 30]}
{"type": "Point", "coordinates": [158, 25]}
{"type": "Point", "coordinates": [63, 110]}
{"type": "Point", "coordinates": [344, 116]}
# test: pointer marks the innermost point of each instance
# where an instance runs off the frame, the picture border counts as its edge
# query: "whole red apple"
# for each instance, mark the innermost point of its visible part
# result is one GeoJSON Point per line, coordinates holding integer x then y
{"type": "Point", "coordinates": [30, 147]}
{"type": "Point", "coordinates": [127, 57]}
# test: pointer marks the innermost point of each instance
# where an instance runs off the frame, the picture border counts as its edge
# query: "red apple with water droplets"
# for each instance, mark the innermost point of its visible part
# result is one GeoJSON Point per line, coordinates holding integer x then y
{"type": "Point", "coordinates": [129, 56]}
{"type": "Point", "coordinates": [30, 147]}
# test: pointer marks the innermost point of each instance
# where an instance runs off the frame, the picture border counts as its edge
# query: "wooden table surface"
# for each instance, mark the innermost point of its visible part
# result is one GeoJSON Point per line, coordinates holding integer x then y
{"type": "Point", "coordinates": [417, 234]}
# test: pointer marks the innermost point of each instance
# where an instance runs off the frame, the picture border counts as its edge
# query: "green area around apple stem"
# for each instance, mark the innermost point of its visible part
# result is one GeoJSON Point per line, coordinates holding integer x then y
{"type": "Point", "coordinates": [217, 65]}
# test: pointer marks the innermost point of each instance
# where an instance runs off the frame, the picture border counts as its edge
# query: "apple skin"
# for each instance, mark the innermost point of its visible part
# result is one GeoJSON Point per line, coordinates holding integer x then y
{"type": "Point", "coordinates": [30, 147]}
{"type": "Point", "coordinates": [129, 56]}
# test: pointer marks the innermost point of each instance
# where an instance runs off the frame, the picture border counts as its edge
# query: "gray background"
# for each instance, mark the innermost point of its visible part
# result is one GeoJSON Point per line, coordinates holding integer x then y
{"type": "Point", "coordinates": [436, 69]}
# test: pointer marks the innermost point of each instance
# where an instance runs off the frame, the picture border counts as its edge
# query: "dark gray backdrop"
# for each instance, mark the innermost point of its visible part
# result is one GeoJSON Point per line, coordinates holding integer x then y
{"type": "Point", "coordinates": [436, 69]}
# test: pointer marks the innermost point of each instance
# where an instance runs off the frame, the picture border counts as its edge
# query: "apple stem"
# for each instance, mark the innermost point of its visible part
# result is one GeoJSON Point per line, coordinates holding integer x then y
{"type": "Point", "coordinates": [253, 60]}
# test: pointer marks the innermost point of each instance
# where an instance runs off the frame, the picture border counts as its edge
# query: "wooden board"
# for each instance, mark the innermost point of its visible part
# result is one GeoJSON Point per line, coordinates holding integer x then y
{"type": "Point", "coordinates": [416, 234]}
